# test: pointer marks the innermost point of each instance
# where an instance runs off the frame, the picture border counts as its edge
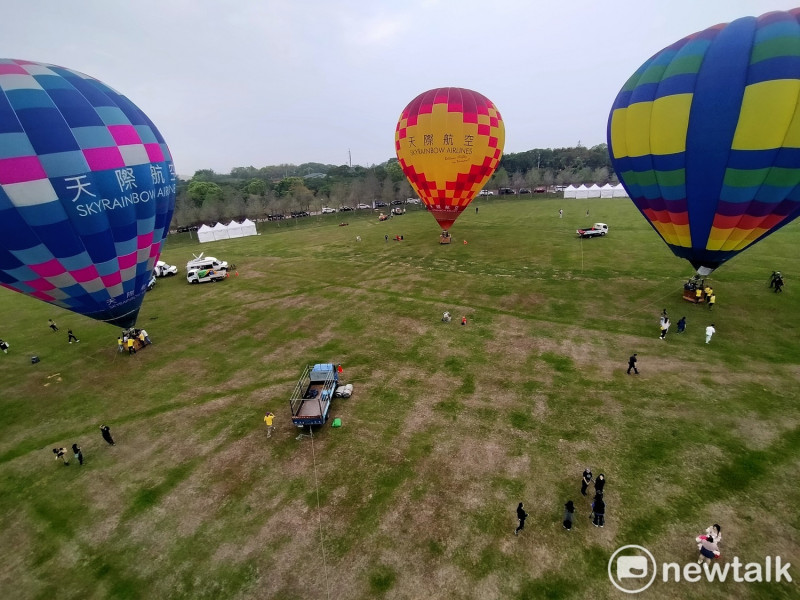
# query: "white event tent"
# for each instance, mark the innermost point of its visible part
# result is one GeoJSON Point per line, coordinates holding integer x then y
{"type": "Point", "coordinates": [619, 191]}
{"type": "Point", "coordinates": [220, 232]}
{"type": "Point", "coordinates": [569, 191]}
{"type": "Point", "coordinates": [235, 230]}
{"type": "Point", "coordinates": [248, 228]}
{"type": "Point", "coordinates": [205, 234]}
{"type": "Point", "coordinates": [594, 191]}
{"type": "Point", "coordinates": [607, 191]}
{"type": "Point", "coordinates": [581, 191]}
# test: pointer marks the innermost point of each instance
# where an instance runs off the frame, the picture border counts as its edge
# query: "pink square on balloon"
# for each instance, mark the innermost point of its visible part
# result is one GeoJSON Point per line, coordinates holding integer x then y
{"type": "Point", "coordinates": [41, 285]}
{"type": "Point", "coordinates": [101, 159]}
{"type": "Point", "coordinates": [154, 152]}
{"type": "Point", "coordinates": [51, 268]}
{"type": "Point", "coordinates": [111, 279]}
{"type": "Point", "coordinates": [124, 135]}
{"type": "Point", "coordinates": [85, 274]}
{"type": "Point", "coordinates": [127, 261]}
{"type": "Point", "coordinates": [21, 169]}
{"type": "Point", "coordinates": [144, 240]}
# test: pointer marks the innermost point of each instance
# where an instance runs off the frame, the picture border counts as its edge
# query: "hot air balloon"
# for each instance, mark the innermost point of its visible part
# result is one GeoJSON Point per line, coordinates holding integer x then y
{"type": "Point", "coordinates": [705, 137]}
{"type": "Point", "coordinates": [87, 190]}
{"type": "Point", "coordinates": [449, 142]}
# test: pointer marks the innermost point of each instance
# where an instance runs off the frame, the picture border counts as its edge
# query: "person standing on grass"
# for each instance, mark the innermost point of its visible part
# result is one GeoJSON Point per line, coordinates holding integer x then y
{"type": "Point", "coordinates": [4, 346]}
{"type": "Point", "coordinates": [587, 478]}
{"type": "Point", "coordinates": [268, 420]}
{"type": "Point", "coordinates": [682, 325]}
{"type": "Point", "coordinates": [711, 300]}
{"type": "Point", "coordinates": [106, 431]}
{"type": "Point", "coordinates": [598, 511]}
{"type": "Point", "coordinates": [710, 330]}
{"type": "Point", "coordinates": [131, 347]}
{"type": "Point", "coordinates": [664, 327]}
{"type": "Point", "coordinates": [52, 324]}
{"type": "Point", "coordinates": [569, 513]}
{"type": "Point", "coordinates": [632, 365]}
{"type": "Point", "coordinates": [599, 484]}
{"type": "Point", "coordinates": [78, 454]}
{"type": "Point", "coordinates": [62, 454]}
{"type": "Point", "coordinates": [521, 516]}
{"type": "Point", "coordinates": [71, 336]}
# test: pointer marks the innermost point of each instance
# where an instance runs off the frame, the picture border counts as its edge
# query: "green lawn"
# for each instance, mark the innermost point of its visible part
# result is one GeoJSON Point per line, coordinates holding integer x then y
{"type": "Point", "coordinates": [449, 427]}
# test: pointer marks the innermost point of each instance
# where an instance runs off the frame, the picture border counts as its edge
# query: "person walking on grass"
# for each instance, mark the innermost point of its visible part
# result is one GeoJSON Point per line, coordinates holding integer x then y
{"type": "Point", "coordinates": [61, 453]}
{"type": "Point", "coordinates": [632, 365]}
{"type": "Point", "coordinates": [664, 327]}
{"type": "Point", "coordinates": [599, 484]}
{"type": "Point", "coordinates": [569, 513]}
{"type": "Point", "coordinates": [598, 511]}
{"type": "Point", "coordinates": [71, 336]}
{"type": "Point", "coordinates": [682, 325]}
{"type": "Point", "coordinates": [4, 346]}
{"type": "Point", "coordinates": [78, 454]}
{"type": "Point", "coordinates": [586, 479]}
{"type": "Point", "coordinates": [106, 431]}
{"type": "Point", "coordinates": [521, 516]}
{"type": "Point", "coordinates": [268, 420]}
{"type": "Point", "coordinates": [711, 300]}
{"type": "Point", "coordinates": [52, 325]}
{"type": "Point", "coordinates": [710, 331]}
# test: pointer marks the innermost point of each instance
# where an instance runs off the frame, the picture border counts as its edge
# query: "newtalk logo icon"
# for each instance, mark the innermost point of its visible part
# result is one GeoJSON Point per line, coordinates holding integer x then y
{"type": "Point", "coordinates": [633, 569]}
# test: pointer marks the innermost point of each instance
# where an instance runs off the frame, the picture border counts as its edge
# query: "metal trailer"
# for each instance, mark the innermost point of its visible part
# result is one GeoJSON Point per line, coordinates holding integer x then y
{"type": "Point", "coordinates": [312, 396]}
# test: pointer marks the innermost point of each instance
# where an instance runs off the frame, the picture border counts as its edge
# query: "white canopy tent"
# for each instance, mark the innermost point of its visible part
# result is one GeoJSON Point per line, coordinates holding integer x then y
{"type": "Point", "coordinates": [235, 230]}
{"type": "Point", "coordinates": [569, 191]}
{"type": "Point", "coordinates": [619, 191]}
{"type": "Point", "coordinates": [205, 234]}
{"type": "Point", "coordinates": [581, 191]}
{"type": "Point", "coordinates": [594, 191]}
{"type": "Point", "coordinates": [220, 232]}
{"type": "Point", "coordinates": [248, 228]}
{"type": "Point", "coordinates": [607, 191]}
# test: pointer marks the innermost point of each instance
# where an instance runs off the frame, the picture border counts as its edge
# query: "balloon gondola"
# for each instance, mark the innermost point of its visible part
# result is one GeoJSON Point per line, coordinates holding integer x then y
{"type": "Point", "coordinates": [705, 137]}
{"type": "Point", "coordinates": [87, 191]}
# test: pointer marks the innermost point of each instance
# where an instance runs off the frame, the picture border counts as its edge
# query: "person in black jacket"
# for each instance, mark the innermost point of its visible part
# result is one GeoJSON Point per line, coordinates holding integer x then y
{"type": "Point", "coordinates": [598, 511]}
{"type": "Point", "coordinates": [599, 484]}
{"type": "Point", "coordinates": [632, 365]}
{"type": "Point", "coordinates": [521, 515]}
{"type": "Point", "coordinates": [569, 512]}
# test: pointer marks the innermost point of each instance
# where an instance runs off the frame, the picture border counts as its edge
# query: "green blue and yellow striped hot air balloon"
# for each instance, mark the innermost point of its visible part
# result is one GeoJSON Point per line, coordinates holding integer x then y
{"type": "Point", "coordinates": [705, 137]}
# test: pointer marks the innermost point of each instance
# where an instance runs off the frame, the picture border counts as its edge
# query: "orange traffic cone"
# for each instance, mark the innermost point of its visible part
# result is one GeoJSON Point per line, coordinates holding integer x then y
{"type": "Point", "coordinates": [465, 242]}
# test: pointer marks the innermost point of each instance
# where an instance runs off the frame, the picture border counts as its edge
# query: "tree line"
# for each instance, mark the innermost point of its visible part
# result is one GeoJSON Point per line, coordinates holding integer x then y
{"type": "Point", "coordinates": [255, 193]}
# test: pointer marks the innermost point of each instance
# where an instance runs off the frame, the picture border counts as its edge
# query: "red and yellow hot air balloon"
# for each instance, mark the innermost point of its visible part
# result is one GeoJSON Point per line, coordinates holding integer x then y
{"type": "Point", "coordinates": [449, 142]}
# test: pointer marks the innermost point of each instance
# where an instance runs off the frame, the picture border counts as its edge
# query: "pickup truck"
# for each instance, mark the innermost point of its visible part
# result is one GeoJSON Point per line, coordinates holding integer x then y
{"type": "Point", "coordinates": [311, 398]}
{"type": "Point", "coordinates": [596, 229]}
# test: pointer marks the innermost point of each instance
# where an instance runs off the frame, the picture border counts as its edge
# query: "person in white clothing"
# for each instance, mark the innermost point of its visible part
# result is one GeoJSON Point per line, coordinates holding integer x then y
{"type": "Point", "coordinates": [709, 332]}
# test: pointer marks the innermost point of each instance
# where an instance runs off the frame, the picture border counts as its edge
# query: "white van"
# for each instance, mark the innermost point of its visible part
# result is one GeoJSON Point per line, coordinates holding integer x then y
{"type": "Point", "coordinates": [200, 270]}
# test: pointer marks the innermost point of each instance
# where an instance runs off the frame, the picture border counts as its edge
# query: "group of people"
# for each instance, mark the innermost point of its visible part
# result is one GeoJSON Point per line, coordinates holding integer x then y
{"type": "Point", "coordinates": [70, 336]}
{"type": "Point", "coordinates": [708, 543]}
{"type": "Point", "coordinates": [776, 281]}
{"type": "Point", "coordinates": [598, 505]}
{"type": "Point", "coordinates": [446, 318]}
{"type": "Point", "coordinates": [130, 338]}
{"type": "Point", "coordinates": [664, 324]}
{"type": "Point", "coordinates": [699, 292]}
{"type": "Point", "coordinates": [62, 454]}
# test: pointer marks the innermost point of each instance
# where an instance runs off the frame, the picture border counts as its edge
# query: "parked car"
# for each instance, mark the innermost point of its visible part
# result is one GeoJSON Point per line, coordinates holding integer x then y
{"type": "Point", "coordinates": [162, 269]}
{"type": "Point", "coordinates": [413, 201]}
{"type": "Point", "coordinates": [486, 193]}
{"type": "Point", "coordinates": [150, 284]}
{"type": "Point", "coordinates": [524, 191]}
{"type": "Point", "coordinates": [276, 217]}
{"type": "Point", "coordinates": [362, 205]}
{"type": "Point", "coordinates": [540, 190]}
{"type": "Point", "coordinates": [345, 208]}
{"type": "Point", "coordinates": [380, 204]}
{"type": "Point", "coordinates": [327, 210]}
{"type": "Point", "coordinates": [506, 191]}
{"type": "Point", "coordinates": [396, 202]}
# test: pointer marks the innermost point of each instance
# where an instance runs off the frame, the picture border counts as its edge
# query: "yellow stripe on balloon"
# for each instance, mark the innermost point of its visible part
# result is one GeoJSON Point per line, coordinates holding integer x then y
{"type": "Point", "coordinates": [675, 235]}
{"type": "Point", "coordinates": [618, 125]}
{"type": "Point", "coordinates": [776, 98]}
{"type": "Point", "coordinates": [669, 123]}
{"type": "Point", "coordinates": [637, 128]}
{"type": "Point", "coordinates": [727, 240]}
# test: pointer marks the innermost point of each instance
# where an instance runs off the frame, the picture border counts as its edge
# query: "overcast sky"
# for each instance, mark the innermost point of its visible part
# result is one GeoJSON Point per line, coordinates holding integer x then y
{"type": "Point", "coordinates": [265, 82]}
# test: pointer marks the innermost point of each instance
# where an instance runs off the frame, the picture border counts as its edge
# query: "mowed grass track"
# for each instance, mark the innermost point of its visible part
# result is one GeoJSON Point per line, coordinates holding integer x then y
{"type": "Point", "coordinates": [448, 429]}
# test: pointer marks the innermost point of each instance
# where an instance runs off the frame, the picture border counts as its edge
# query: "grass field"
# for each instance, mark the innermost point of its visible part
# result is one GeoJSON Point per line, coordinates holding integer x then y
{"type": "Point", "coordinates": [449, 427]}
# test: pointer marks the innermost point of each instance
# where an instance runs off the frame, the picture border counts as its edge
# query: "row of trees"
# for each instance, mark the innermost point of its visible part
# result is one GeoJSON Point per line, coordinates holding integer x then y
{"type": "Point", "coordinates": [255, 193]}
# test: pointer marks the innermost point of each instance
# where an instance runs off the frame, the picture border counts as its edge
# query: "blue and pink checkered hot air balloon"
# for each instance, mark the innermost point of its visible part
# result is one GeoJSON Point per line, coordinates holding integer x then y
{"type": "Point", "coordinates": [87, 191]}
{"type": "Point", "coordinates": [705, 137]}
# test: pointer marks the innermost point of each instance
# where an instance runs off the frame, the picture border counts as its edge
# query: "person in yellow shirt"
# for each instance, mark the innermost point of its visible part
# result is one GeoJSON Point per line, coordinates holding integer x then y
{"type": "Point", "coordinates": [268, 420]}
{"type": "Point", "coordinates": [131, 348]}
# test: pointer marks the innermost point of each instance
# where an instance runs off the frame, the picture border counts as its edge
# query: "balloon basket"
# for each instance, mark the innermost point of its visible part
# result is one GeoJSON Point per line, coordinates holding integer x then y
{"type": "Point", "coordinates": [445, 238]}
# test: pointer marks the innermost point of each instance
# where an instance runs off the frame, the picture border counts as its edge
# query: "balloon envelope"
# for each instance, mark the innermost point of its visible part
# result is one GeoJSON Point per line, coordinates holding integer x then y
{"type": "Point", "coordinates": [705, 137]}
{"type": "Point", "coordinates": [449, 142]}
{"type": "Point", "coordinates": [87, 190]}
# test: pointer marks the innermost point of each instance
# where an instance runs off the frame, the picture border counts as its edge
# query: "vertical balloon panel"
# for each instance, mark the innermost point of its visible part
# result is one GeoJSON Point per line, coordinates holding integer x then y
{"type": "Point", "coordinates": [705, 136]}
{"type": "Point", "coordinates": [449, 142]}
{"type": "Point", "coordinates": [87, 190]}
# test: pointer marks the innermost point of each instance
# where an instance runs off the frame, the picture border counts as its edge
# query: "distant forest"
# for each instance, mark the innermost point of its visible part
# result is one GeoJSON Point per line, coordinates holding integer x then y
{"type": "Point", "coordinates": [255, 193]}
